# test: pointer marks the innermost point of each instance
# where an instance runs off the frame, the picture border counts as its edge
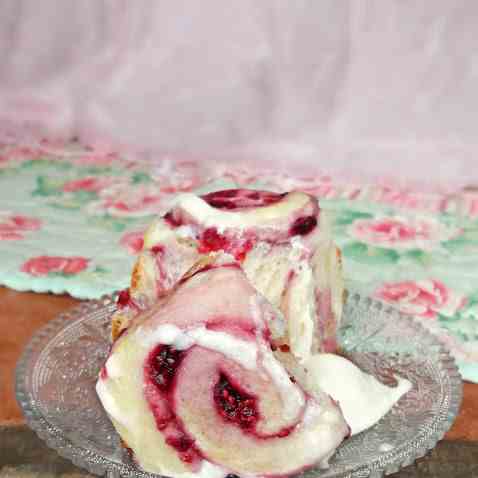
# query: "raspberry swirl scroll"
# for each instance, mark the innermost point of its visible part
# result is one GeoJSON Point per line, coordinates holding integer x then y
{"type": "Point", "coordinates": [281, 241]}
{"type": "Point", "coordinates": [193, 387]}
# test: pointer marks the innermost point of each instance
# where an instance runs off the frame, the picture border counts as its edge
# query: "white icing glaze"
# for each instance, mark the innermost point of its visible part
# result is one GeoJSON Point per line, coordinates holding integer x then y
{"type": "Point", "coordinates": [209, 216]}
{"type": "Point", "coordinates": [165, 334]}
{"type": "Point", "coordinates": [362, 398]}
{"type": "Point", "coordinates": [186, 232]}
{"type": "Point", "coordinates": [241, 351]}
{"type": "Point", "coordinates": [320, 423]}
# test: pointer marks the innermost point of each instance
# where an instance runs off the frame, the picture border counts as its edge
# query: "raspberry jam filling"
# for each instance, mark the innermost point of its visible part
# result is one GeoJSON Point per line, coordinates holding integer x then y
{"type": "Point", "coordinates": [124, 299]}
{"type": "Point", "coordinates": [212, 241]}
{"type": "Point", "coordinates": [172, 220]}
{"type": "Point", "coordinates": [160, 371]}
{"type": "Point", "coordinates": [235, 405]}
{"type": "Point", "coordinates": [303, 225]}
{"type": "Point", "coordinates": [164, 363]}
{"type": "Point", "coordinates": [241, 198]}
{"type": "Point", "coordinates": [157, 250]}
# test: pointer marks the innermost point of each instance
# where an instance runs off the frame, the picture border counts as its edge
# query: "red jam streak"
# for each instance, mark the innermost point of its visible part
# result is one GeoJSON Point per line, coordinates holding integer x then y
{"type": "Point", "coordinates": [303, 225]}
{"type": "Point", "coordinates": [164, 363]}
{"type": "Point", "coordinates": [160, 371]}
{"type": "Point", "coordinates": [239, 407]}
{"type": "Point", "coordinates": [235, 405]}
{"type": "Point", "coordinates": [183, 444]}
{"type": "Point", "coordinates": [172, 220]}
{"type": "Point", "coordinates": [157, 250]}
{"type": "Point", "coordinates": [212, 241]}
{"type": "Point", "coordinates": [103, 373]}
{"type": "Point", "coordinates": [241, 198]}
{"type": "Point", "coordinates": [124, 299]}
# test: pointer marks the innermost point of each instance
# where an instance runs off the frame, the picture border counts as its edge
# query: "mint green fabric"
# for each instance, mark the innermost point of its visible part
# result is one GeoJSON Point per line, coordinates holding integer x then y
{"type": "Point", "coordinates": [74, 225]}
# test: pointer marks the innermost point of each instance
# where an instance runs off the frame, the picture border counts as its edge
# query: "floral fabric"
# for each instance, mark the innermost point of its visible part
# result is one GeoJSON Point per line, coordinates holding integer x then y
{"type": "Point", "coordinates": [74, 223]}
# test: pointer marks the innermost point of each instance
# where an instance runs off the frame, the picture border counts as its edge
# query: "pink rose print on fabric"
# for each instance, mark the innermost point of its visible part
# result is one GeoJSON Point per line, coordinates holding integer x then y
{"type": "Point", "coordinates": [133, 241]}
{"type": "Point", "coordinates": [19, 155]}
{"type": "Point", "coordinates": [408, 199]}
{"type": "Point", "coordinates": [402, 233]}
{"type": "Point", "coordinates": [89, 184]}
{"type": "Point", "coordinates": [46, 265]}
{"type": "Point", "coordinates": [426, 298]}
{"type": "Point", "coordinates": [396, 197]}
{"type": "Point", "coordinates": [124, 200]}
{"type": "Point", "coordinates": [13, 227]}
{"type": "Point", "coordinates": [180, 186]}
{"type": "Point", "coordinates": [97, 158]}
{"type": "Point", "coordinates": [469, 204]}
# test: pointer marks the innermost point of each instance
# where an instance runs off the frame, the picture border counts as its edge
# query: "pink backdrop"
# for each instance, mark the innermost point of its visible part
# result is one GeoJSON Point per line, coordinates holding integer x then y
{"type": "Point", "coordinates": [375, 87]}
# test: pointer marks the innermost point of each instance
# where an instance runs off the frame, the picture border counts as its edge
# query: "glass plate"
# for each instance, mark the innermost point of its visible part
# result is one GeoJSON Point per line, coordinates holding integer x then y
{"type": "Point", "coordinates": [56, 375]}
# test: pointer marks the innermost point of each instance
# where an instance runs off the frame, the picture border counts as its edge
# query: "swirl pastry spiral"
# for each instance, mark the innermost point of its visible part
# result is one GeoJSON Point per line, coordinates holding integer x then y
{"type": "Point", "coordinates": [194, 388]}
{"type": "Point", "coordinates": [281, 241]}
